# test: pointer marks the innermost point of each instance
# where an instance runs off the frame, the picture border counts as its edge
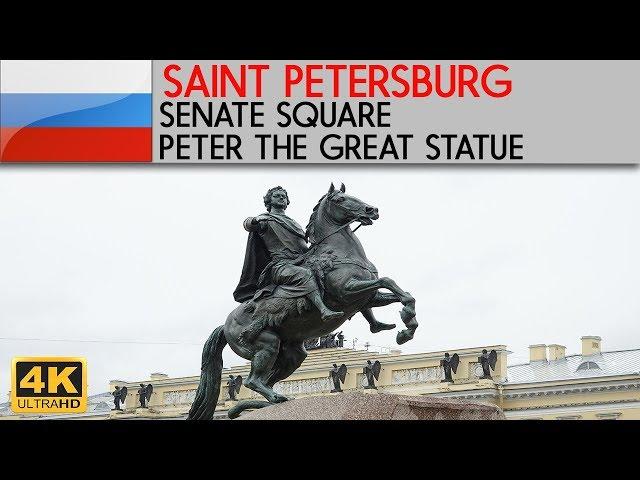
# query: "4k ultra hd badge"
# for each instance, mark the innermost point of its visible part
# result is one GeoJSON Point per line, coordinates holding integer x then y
{"type": "Point", "coordinates": [49, 385]}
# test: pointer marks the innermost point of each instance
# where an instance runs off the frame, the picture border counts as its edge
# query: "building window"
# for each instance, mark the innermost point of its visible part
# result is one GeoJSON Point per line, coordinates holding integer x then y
{"type": "Point", "coordinates": [102, 406]}
{"type": "Point", "coordinates": [588, 366]}
{"type": "Point", "coordinates": [608, 416]}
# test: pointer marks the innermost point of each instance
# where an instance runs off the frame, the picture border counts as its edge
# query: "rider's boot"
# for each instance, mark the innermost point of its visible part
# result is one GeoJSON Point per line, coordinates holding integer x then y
{"type": "Point", "coordinates": [326, 313]}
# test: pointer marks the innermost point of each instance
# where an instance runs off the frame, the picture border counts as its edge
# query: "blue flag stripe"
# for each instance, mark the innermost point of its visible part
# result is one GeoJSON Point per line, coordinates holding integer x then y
{"type": "Point", "coordinates": [75, 110]}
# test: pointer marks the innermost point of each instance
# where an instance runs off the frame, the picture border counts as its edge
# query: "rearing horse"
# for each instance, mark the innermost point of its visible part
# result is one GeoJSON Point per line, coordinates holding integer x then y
{"type": "Point", "coordinates": [351, 285]}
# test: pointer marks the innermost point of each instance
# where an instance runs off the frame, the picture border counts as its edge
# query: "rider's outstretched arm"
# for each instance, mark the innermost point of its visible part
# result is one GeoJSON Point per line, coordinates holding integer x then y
{"type": "Point", "coordinates": [252, 224]}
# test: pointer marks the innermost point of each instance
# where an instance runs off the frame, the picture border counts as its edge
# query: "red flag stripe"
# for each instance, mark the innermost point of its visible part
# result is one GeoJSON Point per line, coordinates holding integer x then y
{"type": "Point", "coordinates": [83, 144]}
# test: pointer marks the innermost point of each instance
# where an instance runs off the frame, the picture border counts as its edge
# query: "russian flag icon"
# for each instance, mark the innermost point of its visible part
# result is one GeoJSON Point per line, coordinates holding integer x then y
{"type": "Point", "coordinates": [75, 111]}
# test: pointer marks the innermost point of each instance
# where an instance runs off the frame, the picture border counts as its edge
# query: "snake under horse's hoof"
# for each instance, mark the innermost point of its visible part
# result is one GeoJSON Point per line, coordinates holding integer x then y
{"type": "Point", "coordinates": [238, 408]}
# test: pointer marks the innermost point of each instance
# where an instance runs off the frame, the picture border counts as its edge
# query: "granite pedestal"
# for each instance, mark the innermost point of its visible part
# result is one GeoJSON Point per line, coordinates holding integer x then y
{"type": "Point", "coordinates": [380, 406]}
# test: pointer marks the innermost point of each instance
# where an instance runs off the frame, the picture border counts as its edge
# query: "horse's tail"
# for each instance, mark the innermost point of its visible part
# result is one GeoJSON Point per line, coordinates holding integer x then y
{"type": "Point", "coordinates": [208, 391]}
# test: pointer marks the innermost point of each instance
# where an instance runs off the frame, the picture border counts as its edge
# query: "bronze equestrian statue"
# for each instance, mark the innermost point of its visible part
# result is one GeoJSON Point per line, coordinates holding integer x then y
{"type": "Point", "coordinates": [292, 292]}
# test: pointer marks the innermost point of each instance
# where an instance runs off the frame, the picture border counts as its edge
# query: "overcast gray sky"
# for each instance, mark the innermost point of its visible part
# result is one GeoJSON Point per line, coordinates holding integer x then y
{"type": "Point", "coordinates": [498, 255]}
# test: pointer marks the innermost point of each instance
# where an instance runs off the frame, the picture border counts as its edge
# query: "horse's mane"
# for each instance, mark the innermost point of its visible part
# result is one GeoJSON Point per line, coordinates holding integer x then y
{"type": "Point", "coordinates": [310, 231]}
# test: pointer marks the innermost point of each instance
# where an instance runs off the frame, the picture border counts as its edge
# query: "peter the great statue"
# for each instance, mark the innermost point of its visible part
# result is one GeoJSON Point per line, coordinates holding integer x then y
{"type": "Point", "coordinates": [297, 285]}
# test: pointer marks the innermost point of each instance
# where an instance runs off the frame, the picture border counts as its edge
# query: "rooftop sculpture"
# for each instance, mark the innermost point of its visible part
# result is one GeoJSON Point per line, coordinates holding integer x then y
{"type": "Point", "coordinates": [372, 373]}
{"type": "Point", "coordinates": [488, 362]}
{"type": "Point", "coordinates": [144, 394]}
{"type": "Point", "coordinates": [119, 396]}
{"type": "Point", "coordinates": [234, 384]}
{"type": "Point", "coordinates": [338, 375]}
{"type": "Point", "coordinates": [448, 364]}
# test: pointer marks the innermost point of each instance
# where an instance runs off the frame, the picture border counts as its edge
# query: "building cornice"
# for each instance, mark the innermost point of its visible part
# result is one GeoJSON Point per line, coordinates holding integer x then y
{"type": "Point", "coordinates": [570, 408]}
{"type": "Point", "coordinates": [478, 394]}
{"type": "Point", "coordinates": [568, 389]}
{"type": "Point", "coordinates": [570, 381]}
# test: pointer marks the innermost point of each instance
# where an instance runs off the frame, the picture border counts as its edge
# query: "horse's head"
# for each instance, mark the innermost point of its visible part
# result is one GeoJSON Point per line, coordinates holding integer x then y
{"type": "Point", "coordinates": [336, 208]}
{"type": "Point", "coordinates": [342, 208]}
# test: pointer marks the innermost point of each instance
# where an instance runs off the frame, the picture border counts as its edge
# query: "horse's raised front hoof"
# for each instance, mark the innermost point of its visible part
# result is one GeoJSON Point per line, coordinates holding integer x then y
{"type": "Point", "coordinates": [376, 326]}
{"type": "Point", "coordinates": [407, 313]}
{"type": "Point", "coordinates": [408, 300]}
{"type": "Point", "coordinates": [403, 336]}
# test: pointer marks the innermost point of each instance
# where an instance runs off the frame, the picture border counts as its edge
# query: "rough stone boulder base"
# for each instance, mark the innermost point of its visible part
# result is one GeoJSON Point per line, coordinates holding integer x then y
{"type": "Point", "coordinates": [381, 406]}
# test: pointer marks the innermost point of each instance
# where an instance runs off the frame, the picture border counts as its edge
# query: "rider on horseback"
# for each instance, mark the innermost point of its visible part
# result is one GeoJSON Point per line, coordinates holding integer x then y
{"type": "Point", "coordinates": [273, 264]}
{"type": "Point", "coordinates": [343, 273]}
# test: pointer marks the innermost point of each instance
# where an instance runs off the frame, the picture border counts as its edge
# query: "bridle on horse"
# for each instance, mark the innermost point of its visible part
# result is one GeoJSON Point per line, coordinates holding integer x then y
{"type": "Point", "coordinates": [315, 244]}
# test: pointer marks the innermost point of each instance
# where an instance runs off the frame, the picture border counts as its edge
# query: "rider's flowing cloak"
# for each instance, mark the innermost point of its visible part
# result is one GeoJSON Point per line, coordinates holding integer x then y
{"type": "Point", "coordinates": [257, 259]}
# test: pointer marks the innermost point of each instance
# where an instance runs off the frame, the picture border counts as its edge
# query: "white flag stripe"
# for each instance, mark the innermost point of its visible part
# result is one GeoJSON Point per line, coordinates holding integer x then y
{"type": "Point", "coordinates": [75, 76]}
